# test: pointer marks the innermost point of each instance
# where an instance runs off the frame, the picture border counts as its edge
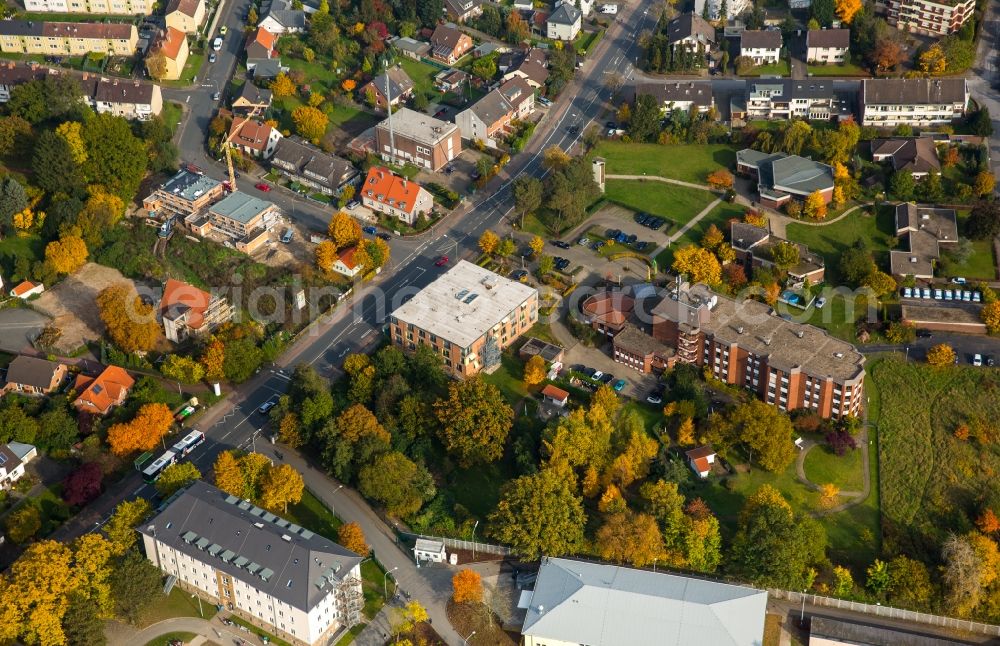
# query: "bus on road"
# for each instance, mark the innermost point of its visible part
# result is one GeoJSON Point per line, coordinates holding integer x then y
{"type": "Point", "coordinates": [188, 443]}
{"type": "Point", "coordinates": [156, 467]}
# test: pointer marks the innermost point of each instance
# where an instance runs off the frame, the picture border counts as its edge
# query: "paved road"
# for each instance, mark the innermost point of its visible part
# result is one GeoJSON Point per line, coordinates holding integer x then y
{"type": "Point", "coordinates": [985, 74]}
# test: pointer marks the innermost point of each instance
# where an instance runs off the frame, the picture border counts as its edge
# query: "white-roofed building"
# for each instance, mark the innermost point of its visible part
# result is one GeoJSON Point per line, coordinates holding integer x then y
{"type": "Point", "coordinates": [468, 315]}
{"type": "Point", "coordinates": [578, 602]}
{"type": "Point", "coordinates": [428, 550]}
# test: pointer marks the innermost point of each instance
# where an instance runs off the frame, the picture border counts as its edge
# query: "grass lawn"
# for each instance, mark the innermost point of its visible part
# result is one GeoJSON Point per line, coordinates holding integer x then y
{"type": "Point", "coordinates": [351, 635]}
{"type": "Point", "coordinates": [509, 378]}
{"type": "Point", "coordinates": [12, 247]}
{"type": "Point", "coordinates": [349, 116]}
{"type": "Point", "coordinates": [422, 75]}
{"type": "Point", "coordinates": [677, 203]}
{"type": "Point", "coordinates": [824, 466]}
{"type": "Point", "coordinates": [539, 330]}
{"type": "Point", "coordinates": [260, 632]}
{"type": "Point", "coordinates": [832, 240]}
{"type": "Point", "coordinates": [930, 480]}
{"type": "Point", "coordinates": [980, 263]}
{"type": "Point", "coordinates": [172, 114]}
{"type": "Point", "coordinates": [839, 69]}
{"type": "Point", "coordinates": [312, 514]}
{"type": "Point", "coordinates": [176, 604]}
{"type": "Point", "coordinates": [781, 68]}
{"type": "Point", "coordinates": [586, 41]}
{"type": "Point", "coordinates": [164, 640]}
{"type": "Point", "coordinates": [719, 216]}
{"type": "Point", "coordinates": [190, 70]}
{"type": "Point", "coordinates": [840, 316]}
{"type": "Point", "coordinates": [690, 163]}
{"type": "Point", "coordinates": [372, 580]}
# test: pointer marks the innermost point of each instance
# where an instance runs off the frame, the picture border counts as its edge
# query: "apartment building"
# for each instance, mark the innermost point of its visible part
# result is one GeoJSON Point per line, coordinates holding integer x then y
{"type": "Point", "coordinates": [172, 48]}
{"type": "Point", "coordinates": [308, 165]}
{"type": "Point", "coordinates": [243, 218]}
{"type": "Point", "coordinates": [762, 46]}
{"type": "Point", "coordinates": [67, 38]}
{"type": "Point", "coordinates": [185, 15]}
{"type": "Point", "coordinates": [13, 74]}
{"type": "Point", "coordinates": [927, 16]}
{"type": "Point", "coordinates": [187, 311]}
{"type": "Point", "coordinates": [828, 45]}
{"type": "Point", "coordinates": [133, 99]}
{"type": "Point", "coordinates": [782, 177]}
{"type": "Point", "coordinates": [787, 99]}
{"type": "Point", "coordinates": [183, 194]}
{"type": "Point", "coordinates": [397, 197]}
{"type": "Point", "coordinates": [489, 119]}
{"type": "Point", "coordinates": [469, 315]}
{"type": "Point", "coordinates": [679, 95]}
{"type": "Point", "coordinates": [418, 139]}
{"type": "Point", "coordinates": [916, 102]}
{"type": "Point", "coordinates": [285, 579]}
{"type": "Point", "coordinates": [734, 8]}
{"type": "Point", "coordinates": [789, 365]}
{"type": "Point", "coordinates": [121, 7]}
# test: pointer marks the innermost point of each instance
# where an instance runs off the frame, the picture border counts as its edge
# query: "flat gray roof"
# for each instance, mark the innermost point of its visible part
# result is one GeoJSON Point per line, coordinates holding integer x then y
{"type": "Point", "coordinates": [604, 605]}
{"type": "Point", "coordinates": [240, 207]}
{"type": "Point", "coordinates": [189, 186]}
{"type": "Point", "coordinates": [419, 127]}
{"type": "Point", "coordinates": [464, 303]}
{"type": "Point", "coordinates": [299, 570]}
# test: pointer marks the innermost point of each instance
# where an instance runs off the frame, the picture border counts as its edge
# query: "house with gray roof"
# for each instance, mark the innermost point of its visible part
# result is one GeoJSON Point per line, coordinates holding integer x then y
{"type": "Point", "coordinates": [392, 87]}
{"type": "Point", "coordinates": [288, 580]}
{"type": "Point", "coordinates": [462, 10]}
{"type": "Point", "coordinates": [690, 30]}
{"type": "Point", "coordinates": [306, 164]}
{"type": "Point", "coordinates": [828, 45]}
{"type": "Point", "coordinates": [564, 23]}
{"type": "Point", "coordinates": [782, 177]}
{"type": "Point", "coordinates": [489, 119]}
{"type": "Point", "coordinates": [918, 155]}
{"type": "Point", "coordinates": [412, 48]}
{"type": "Point", "coordinates": [788, 99]}
{"type": "Point", "coordinates": [33, 376]}
{"type": "Point", "coordinates": [579, 602]}
{"type": "Point", "coordinates": [753, 246]}
{"type": "Point", "coordinates": [679, 95]}
{"type": "Point", "coordinates": [887, 103]}
{"type": "Point", "coordinates": [763, 46]}
{"type": "Point", "coordinates": [923, 233]}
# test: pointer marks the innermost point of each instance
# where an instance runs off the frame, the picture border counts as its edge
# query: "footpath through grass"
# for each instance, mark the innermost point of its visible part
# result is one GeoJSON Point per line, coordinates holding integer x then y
{"type": "Point", "coordinates": [832, 240]}
{"type": "Point", "coordinates": [689, 163]}
{"type": "Point", "coordinates": [719, 216]}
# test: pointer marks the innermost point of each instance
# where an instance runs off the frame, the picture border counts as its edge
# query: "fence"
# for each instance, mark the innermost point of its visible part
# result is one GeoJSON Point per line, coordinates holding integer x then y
{"type": "Point", "coordinates": [459, 544]}
{"type": "Point", "coordinates": [889, 612]}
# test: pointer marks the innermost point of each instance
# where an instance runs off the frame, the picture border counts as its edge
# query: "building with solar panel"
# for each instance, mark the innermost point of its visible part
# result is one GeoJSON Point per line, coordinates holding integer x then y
{"type": "Point", "coordinates": [285, 579]}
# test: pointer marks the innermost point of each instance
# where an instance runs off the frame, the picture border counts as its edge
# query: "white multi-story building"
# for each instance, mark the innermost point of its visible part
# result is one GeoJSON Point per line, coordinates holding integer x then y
{"type": "Point", "coordinates": [785, 99]}
{"type": "Point", "coordinates": [828, 45]}
{"type": "Point", "coordinates": [763, 46]}
{"type": "Point", "coordinates": [927, 16]}
{"type": "Point", "coordinates": [734, 8]}
{"type": "Point", "coordinates": [90, 6]}
{"type": "Point", "coordinates": [916, 102]}
{"type": "Point", "coordinates": [283, 578]}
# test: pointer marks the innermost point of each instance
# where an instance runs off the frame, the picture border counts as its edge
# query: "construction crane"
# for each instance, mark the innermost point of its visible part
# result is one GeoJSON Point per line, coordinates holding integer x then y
{"type": "Point", "coordinates": [229, 149]}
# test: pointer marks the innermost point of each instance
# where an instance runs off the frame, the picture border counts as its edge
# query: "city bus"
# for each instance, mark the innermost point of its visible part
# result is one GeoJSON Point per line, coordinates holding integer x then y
{"type": "Point", "coordinates": [156, 467]}
{"type": "Point", "coordinates": [188, 443]}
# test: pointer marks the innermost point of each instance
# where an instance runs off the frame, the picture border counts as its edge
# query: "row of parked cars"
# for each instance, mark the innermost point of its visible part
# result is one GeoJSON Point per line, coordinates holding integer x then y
{"type": "Point", "coordinates": [597, 377]}
{"type": "Point", "coordinates": [939, 294]}
{"type": "Point", "coordinates": [653, 222]}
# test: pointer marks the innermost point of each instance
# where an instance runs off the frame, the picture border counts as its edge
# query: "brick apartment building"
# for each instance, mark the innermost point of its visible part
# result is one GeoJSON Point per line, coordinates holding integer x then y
{"type": "Point", "coordinates": [183, 194]}
{"type": "Point", "coordinates": [927, 16]}
{"type": "Point", "coordinates": [418, 139]}
{"type": "Point", "coordinates": [787, 364]}
{"type": "Point", "coordinates": [469, 315]}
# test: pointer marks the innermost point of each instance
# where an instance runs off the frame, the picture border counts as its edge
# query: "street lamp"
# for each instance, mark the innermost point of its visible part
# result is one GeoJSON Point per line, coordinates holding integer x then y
{"type": "Point", "coordinates": [385, 582]}
{"type": "Point", "coordinates": [200, 613]}
{"type": "Point", "coordinates": [466, 640]}
{"type": "Point", "coordinates": [332, 510]}
{"type": "Point", "coordinates": [802, 615]}
{"type": "Point", "coordinates": [474, 540]}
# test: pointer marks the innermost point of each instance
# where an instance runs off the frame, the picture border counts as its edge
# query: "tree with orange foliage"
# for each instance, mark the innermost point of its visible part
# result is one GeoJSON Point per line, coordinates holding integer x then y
{"type": "Point", "coordinates": [144, 432]}
{"type": "Point", "coordinates": [213, 359]}
{"type": "Point", "coordinates": [348, 85]}
{"type": "Point", "coordinates": [951, 156]}
{"type": "Point", "coordinates": [131, 323]}
{"type": "Point", "coordinates": [962, 432]}
{"type": "Point", "coordinates": [988, 523]}
{"type": "Point", "coordinates": [467, 587]}
{"type": "Point", "coordinates": [888, 53]}
{"type": "Point", "coordinates": [846, 9]}
{"type": "Point", "coordinates": [828, 494]}
{"type": "Point", "coordinates": [755, 218]}
{"type": "Point", "coordinates": [720, 179]}
{"type": "Point", "coordinates": [352, 537]}
{"type": "Point", "coordinates": [771, 293]}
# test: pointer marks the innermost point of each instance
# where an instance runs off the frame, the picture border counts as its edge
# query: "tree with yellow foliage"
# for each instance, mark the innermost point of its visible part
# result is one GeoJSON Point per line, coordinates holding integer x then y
{"type": "Point", "coordinates": [156, 65]}
{"type": "Point", "coordinates": [228, 475]}
{"type": "Point", "coordinates": [213, 359]}
{"type": "Point", "coordinates": [933, 60]}
{"type": "Point", "coordinates": [990, 315]}
{"type": "Point", "coordinates": [815, 206]}
{"type": "Point", "coordinates": [488, 242]}
{"type": "Point", "coordinates": [630, 537]}
{"type": "Point", "coordinates": [467, 587]}
{"type": "Point", "coordinates": [282, 86]}
{"type": "Point", "coordinates": [713, 238]}
{"type": "Point", "coordinates": [537, 245]}
{"type": "Point", "coordinates": [828, 494]}
{"type": "Point", "coordinates": [33, 594]}
{"type": "Point", "coordinates": [281, 485]}
{"type": "Point", "coordinates": [326, 255]}
{"type": "Point", "coordinates": [755, 218]}
{"type": "Point", "coordinates": [633, 463]}
{"type": "Point", "coordinates": [131, 324]}
{"type": "Point", "coordinates": [22, 524]}
{"type": "Point", "coordinates": [71, 134]}
{"type": "Point", "coordinates": [685, 432]}
{"type": "Point", "coordinates": [66, 255]}
{"type": "Point", "coordinates": [120, 528]}
{"type": "Point", "coordinates": [984, 183]}
{"type": "Point", "coordinates": [101, 212]}
{"type": "Point", "coordinates": [941, 354]}
{"type": "Point", "coordinates": [290, 431]}
{"type": "Point", "coordinates": [372, 254]}
{"type": "Point", "coordinates": [91, 569]}
{"type": "Point", "coordinates": [698, 265]}
{"type": "Point", "coordinates": [555, 158]}
{"type": "Point", "coordinates": [611, 501]}
{"type": "Point", "coordinates": [351, 536]}
{"type": "Point", "coordinates": [310, 122]}
{"type": "Point", "coordinates": [27, 219]}
{"type": "Point", "coordinates": [534, 371]}
{"type": "Point", "coordinates": [343, 230]}
{"type": "Point", "coordinates": [152, 422]}
{"type": "Point", "coordinates": [846, 9]}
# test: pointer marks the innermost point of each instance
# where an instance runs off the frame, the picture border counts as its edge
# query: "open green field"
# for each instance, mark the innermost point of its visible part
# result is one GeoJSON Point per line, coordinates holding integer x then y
{"type": "Point", "coordinates": [312, 514]}
{"type": "Point", "coordinates": [422, 74]}
{"type": "Point", "coordinates": [839, 69]}
{"type": "Point", "coordinates": [830, 241]}
{"type": "Point", "coordinates": [31, 248]}
{"type": "Point", "coordinates": [690, 163]}
{"type": "Point", "coordinates": [176, 604]}
{"type": "Point", "coordinates": [679, 204]}
{"type": "Point", "coordinates": [824, 466]}
{"type": "Point", "coordinates": [719, 216]}
{"type": "Point", "coordinates": [930, 480]}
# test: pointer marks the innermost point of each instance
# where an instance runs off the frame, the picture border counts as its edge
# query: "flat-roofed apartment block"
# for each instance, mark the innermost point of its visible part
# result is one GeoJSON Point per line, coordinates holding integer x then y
{"type": "Point", "coordinates": [469, 315]}
{"type": "Point", "coordinates": [418, 139]}
{"type": "Point", "coordinates": [916, 102]}
{"type": "Point", "coordinates": [293, 583]}
{"type": "Point", "coordinates": [123, 7]}
{"type": "Point", "coordinates": [241, 217]}
{"type": "Point", "coordinates": [67, 38]}
{"type": "Point", "coordinates": [183, 194]}
{"type": "Point", "coordinates": [926, 16]}
{"type": "Point", "coordinates": [789, 365]}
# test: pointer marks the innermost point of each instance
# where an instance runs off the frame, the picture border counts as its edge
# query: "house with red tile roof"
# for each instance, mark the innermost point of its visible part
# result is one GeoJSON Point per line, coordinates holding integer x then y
{"type": "Point", "coordinates": [187, 311]}
{"type": "Point", "coordinates": [555, 395]}
{"type": "Point", "coordinates": [26, 289]}
{"type": "Point", "coordinates": [261, 44]}
{"type": "Point", "coordinates": [98, 395]}
{"type": "Point", "coordinates": [253, 137]}
{"type": "Point", "coordinates": [173, 45]}
{"type": "Point", "coordinates": [346, 264]}
{"type": "Point", "coordinates": [395, 196]}
{"type": "Point", "coordinates": [701, 459]}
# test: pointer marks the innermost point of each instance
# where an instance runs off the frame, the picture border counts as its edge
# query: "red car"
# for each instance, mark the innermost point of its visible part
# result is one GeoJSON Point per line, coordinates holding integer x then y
{"type": "Point", "coordinates": [263, 187]}
{"type": "Point", "coordinates": [442, 261]}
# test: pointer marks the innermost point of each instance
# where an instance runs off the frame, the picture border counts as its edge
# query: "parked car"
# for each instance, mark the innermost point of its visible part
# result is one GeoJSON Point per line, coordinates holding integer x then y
{"type": "Point", "coordinates": [217, 44]}
{"type": "Point", "coordinates": [938, 294]}
{"type": "Point", "coordinates": [519, 275]}
{"type": "Point", "coordinates": [370, 230]}
{"type": "Point", "coordinates": [655, 397]}
{"type": "Point", "coordinates": [597, 376]}
{"type": "Point", "coordinates": [441, 262]}
{"type": "Point", "coordinates": [958, 280]}
{"type": "Point", "coordinates": [217, 96]}
{"type": "Point", "coordinates": [611, 124]}
{"type": "Point", "coordinates": [641, 246]}
{"type": "Point", "coordinates": [607, 378]}
{"type": "Point", "coordinates": [261, 186]}
{"type": "Point", "coordinates": [619, 385]}
{"type": "Point", "coordinates": [383, 236]}
{"type": "Point", "coordinates": [612, 234]}
{"type": "Point", "coordinates": [211, 57]}
{"type": "Point", "coordinates": [264, 408]}
{"type": "Point", "coordinates": [583, 242]}
{"type": "Point", "coordinates": [223, 30]}
{"type": "Point", "coordinates": [976, 297]}
{"type": "Point", "coordinates": [559, 244]}
{"type": "Point", "coordinates": [287, 236]}
{"type": "Point", "coordinates": [907, 292]}
{"type": "Point", "coordinates": [989, 361]}
{"type": "Point", "coordinates": [820, 302]}
{"type": "Point", "coordinates": [353, 204]}
{"type": "Point", "coordinates": [927, 292]}
{"type": "Point", "coordinates": [977, 359]}
{"type": "Point", "coordinates": [924, 334]}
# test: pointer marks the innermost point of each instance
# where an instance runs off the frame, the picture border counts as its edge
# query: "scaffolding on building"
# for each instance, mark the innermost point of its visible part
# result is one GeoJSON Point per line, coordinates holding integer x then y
{"type": "Point", "coordinates": [350, 601]}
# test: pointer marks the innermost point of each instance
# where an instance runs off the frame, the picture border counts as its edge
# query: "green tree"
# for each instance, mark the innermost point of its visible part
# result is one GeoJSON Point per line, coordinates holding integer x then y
{"type": "Point", "coordinates": [823, 11]}
{"type": "Point", "coordinates": [13, 199]}
{"type": "Point", "coordinates": [785, 255]}
{"type": "Point", "coordinates": [120, 528]}
{"type": "Point", "coordinates": [55, 168]}
{"type": "Point", "coordinates": [541, 514]}
{"type": "Point", "coordinates": [82, 622]}
{"type": "Point", "coordinates": [645, 122]}
{"type": "Point", "coordinates": [528, 195]}
{"type": "Point", "coordinates": [909, 584]}
{"type": "Point", "coordinates": [175, 477]}
{"type": "Point", "coordinates": [856, 264]}
{"type": "Point", "coordinates": [135, 584]}
{"type": "Point", "coordinates": [877, 577]}
{"type": "Point", "coordinates": [116, 159]}
{"type": "Point", "coordinates": [901, 185]}
{"type": "Point", "coordinates": [183, 369]}
{"type": "Point", "coordinates": [475, 420]}
{"type": "Point", "coordinates": [18, 426]}
{"type": "Point", "coordinates": [983, 222]}
{"type": "Point", "coordinates": [243, 357]}
{"type": "Point", "coordinates": [396, 482]}
{"type": "Point", "coordinates": [22, 524]}
{"type": "Point", "coordinates": [57, 431]}
{"type": "Point", "coordinates": [765, 429]}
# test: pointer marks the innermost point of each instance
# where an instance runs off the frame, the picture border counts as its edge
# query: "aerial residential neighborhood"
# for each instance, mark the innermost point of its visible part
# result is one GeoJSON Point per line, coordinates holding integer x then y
{"type": "Point", "coordinates": [469, 323]}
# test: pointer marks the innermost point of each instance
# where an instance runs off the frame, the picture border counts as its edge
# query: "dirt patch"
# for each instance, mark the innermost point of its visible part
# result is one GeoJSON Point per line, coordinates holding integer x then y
{"type": "Point", "coordinates": [276, 253]}
{"type": "Point", "coordinates": [469, 617]}
{"type": "Point", "coordinates": [71, 305]}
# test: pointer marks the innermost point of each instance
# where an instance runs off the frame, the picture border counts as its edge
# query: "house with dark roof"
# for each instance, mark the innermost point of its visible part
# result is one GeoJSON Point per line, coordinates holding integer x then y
{"type": "Point", "coordinates": [918, 155]}
{"type": "Point", "coordinates": [761, 46]}
{"type": "Point", "coordinates": [411, 48]}
{"type": "Point", "coordinates": [923, 232]}
{"type": "Point", "coordinates": [67, 38]}
{"type": "Point", "coordinates": [306, 164]}
{"type": "Point", "coordinates": [828, 45]}
{"type": "Point", "coordinates": [489, 119]}
{"type": "Point", "coordinates": [185, 15]}
{"type": "Point", "coordinates": [448, 44]}
{"type": "Point", "coordinates": [252, 100]}
{"type": "Point", "coordinates": [462, 10]}
{"type": "Point", "coordinates": [564, 23]}
{"type": "Point", "coordinates": [887, 103]}
{"type": "Point", "coordinates": [98, 395]}
{"type": "Point", "coordinates": [131, 99]}
{"type": "Point", "coordinates": [13, 73]}
{"type": "Point", "coordinates": [284, 20]}
{"type": "Point", "coordinates": [691, 31]}
{"type": "Point", "coordinates": [753, 246]}
{"type": "Point", "coordinates": [187, 311]}
{"type": "Point", "coordinates": [265, 69]}
{"type": "Point", "coordinates": [392, 86]}
{"type": "Point", "coordinates": [583, 602]}
{"type": "Point", "coordinates": [13, 458]}
{"type": "Point", "coordinates": [293, 583]}
{"type": "Point", "coordinates": [679, 95]}
{"type": "Point", "coordinates": [638, 350]}
{"type": "Point", "coordinates": [530, 65]}
{"type": "Point", "coordinates": [253, 137]}
{"type": "Point", "coordinates": [813, 99]}
{"type": "Point", "coordinates": [782, 177]}
{"type": "Point", "coordinates": [33, 376]}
